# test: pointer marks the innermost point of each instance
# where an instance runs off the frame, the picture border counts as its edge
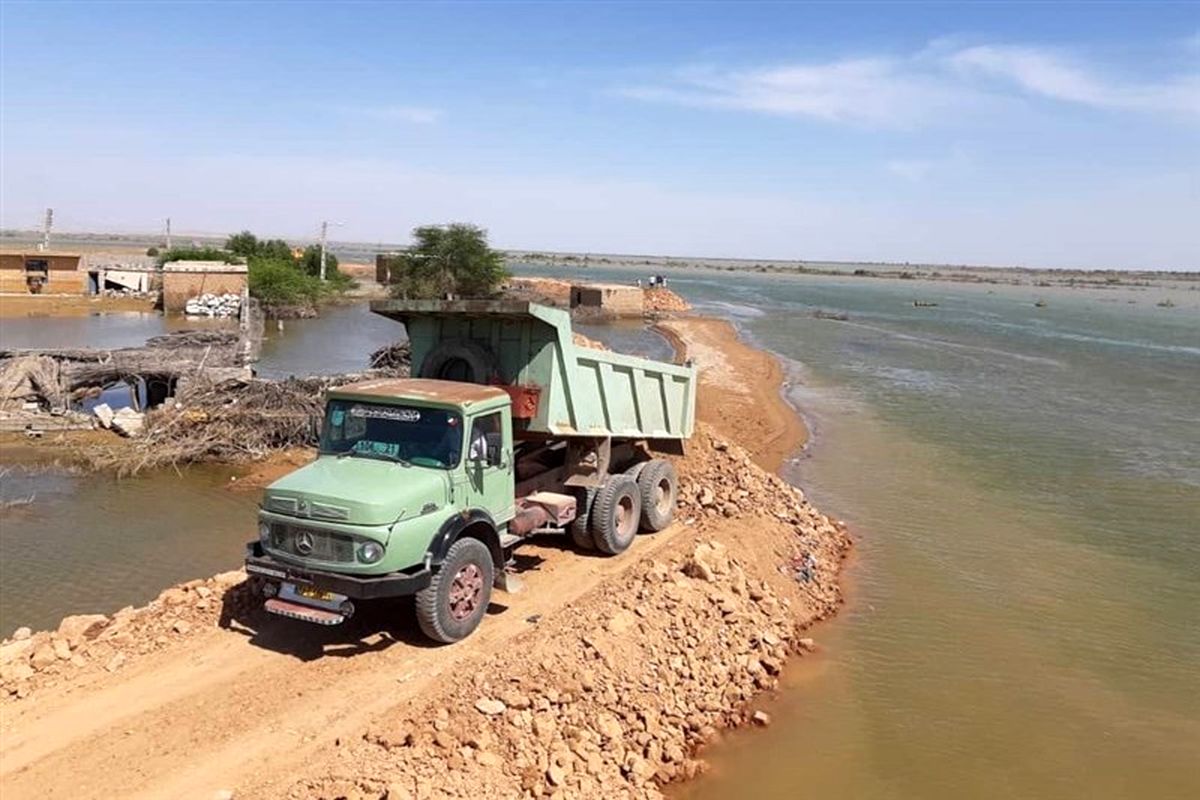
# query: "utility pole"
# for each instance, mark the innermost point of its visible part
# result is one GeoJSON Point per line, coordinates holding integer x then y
{"type": "Point", "coordinates": [168, 233]}
{"type": "Point", "coordinates": [324, 231]}
{"type": "Point", "coordinates": [324, 237]}
{"type": "Point", "coordinates": [46, 225]}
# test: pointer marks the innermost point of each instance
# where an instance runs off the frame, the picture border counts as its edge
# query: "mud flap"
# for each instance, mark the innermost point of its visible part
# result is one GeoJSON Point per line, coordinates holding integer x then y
{"type": "Point", "coordinates": [507, 582]}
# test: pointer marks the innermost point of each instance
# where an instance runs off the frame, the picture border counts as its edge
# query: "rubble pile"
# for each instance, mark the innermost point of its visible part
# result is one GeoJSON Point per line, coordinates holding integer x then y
{"type": "Point", "coordinates": [94, 643]}
{"type": "Point", "coordinates": [636, 678]}
{"type": "Point", "coordinates": [661, 300]}
{"type": "Point", "coordinates": [396, 356]}
{"type": "Point", "coordinates": [214, 305]}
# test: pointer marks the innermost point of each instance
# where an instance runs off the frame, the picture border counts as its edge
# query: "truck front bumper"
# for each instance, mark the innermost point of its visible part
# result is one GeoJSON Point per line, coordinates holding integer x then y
{"type": "Point", "coordinates": [365, 587]}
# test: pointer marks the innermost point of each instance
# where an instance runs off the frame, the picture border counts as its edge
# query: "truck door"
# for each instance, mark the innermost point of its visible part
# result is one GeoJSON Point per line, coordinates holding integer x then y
{"type": "Point", "coordinates": [488, 460]}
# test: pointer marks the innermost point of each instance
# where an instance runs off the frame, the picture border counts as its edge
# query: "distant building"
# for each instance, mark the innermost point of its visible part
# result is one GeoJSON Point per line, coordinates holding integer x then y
{"type": "Point", "coordinates": [25, 272]}
{"type": "Point", "coordinates": [183, 280]}
{"type": "Point", "coordinates": [616, 299]}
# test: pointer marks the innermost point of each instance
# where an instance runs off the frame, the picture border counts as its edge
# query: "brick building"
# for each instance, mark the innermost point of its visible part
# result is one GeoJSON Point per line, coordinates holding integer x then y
{"type": "Point", "coordinates": [49, 272]}
{"type": "Point", "coordinates": [183, 280]}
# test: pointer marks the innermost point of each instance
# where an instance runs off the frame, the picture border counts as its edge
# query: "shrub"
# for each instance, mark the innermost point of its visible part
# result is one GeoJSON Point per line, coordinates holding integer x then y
{"type": "Point", "coordinates": [278, 282]}
{"type": "Point", "coordinates": [197, 254]}
{"type": "Point", "coordinates": [151, 251]}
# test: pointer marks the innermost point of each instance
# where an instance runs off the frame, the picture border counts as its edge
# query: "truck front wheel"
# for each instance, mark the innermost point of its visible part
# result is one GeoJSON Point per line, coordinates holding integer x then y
{"type": "Point", "coordinates": [615, 515]}
{"type": "Point", "coordinates": [452, 605]}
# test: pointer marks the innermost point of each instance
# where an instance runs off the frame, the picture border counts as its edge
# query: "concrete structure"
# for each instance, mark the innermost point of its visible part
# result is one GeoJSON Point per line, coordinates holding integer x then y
{"type": "Point", "coordinates": [616, 299]}
{"type": "Point", "coordinates": [112, 271]}
{"type": "Point", "coordinates": [183, 280]}
{"type": "Point", "coordinates": [47, 272]}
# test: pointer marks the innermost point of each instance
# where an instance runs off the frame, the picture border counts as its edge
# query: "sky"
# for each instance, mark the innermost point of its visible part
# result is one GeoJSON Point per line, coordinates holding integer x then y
{"type": "Point", "coordinates": [1034, 134]}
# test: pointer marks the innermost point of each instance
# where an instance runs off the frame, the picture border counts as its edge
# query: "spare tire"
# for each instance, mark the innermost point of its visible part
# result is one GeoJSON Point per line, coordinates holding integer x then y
{"type": "Point", "coordinates": [459, 360]}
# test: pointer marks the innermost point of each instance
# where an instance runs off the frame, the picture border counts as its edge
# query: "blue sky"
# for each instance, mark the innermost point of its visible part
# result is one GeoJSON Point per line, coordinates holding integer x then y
{"type": "Point", "coordinates": [1038, 134]}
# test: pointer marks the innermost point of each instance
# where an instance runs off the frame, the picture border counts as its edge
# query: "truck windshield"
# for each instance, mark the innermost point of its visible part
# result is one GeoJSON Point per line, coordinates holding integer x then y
{"type": "Point", "coordinates": [425, 437]}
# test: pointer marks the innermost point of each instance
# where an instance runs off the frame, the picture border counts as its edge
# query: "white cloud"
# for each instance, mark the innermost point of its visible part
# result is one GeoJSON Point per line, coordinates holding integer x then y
{"type": "Point", "coordinates": [869, 91]}
{"type": "Point", "coordinates": [1050, 74]}
{"type": "Point", "coordinates": [937, 83]}
{"type": "Point", "coordinates": [415, 115]}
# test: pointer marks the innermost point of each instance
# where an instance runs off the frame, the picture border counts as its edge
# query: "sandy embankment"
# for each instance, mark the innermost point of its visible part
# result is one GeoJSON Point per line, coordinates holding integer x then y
{"type": "Point", "coordinates": [739, 389]}
{"type": "Point", "coordinates": [602, 679]}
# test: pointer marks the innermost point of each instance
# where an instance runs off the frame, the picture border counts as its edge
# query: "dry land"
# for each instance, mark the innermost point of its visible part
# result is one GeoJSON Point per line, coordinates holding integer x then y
{"type": "Point", "coordinates": [71, 305]}
{"type": "Point", "coordinates": [604, 678]}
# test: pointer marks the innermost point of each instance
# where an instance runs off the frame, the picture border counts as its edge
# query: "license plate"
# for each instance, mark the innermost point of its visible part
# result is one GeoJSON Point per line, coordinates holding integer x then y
{"type": "Point", "coordinates": [311, 593]}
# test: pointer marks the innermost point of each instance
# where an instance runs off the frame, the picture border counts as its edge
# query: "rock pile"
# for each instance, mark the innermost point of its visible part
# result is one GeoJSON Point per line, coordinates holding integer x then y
{"type": "Point", "coordinates": [89, 643]}
{"type": "Point", "coordinates": [214, 305]}
{"type": "Point", "coordinates": [660, 300]}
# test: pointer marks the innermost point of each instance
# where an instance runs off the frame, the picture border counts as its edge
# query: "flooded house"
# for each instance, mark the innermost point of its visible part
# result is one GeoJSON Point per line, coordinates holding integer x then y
{"type": "Point", "coordinates": [42, 272]}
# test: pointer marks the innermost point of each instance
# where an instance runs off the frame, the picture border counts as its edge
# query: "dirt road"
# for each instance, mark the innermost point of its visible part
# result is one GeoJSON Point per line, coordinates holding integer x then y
{"type": "Point", "coordinates": [253, 703]}
{"type": "Point", "coordinates": [229, 707]}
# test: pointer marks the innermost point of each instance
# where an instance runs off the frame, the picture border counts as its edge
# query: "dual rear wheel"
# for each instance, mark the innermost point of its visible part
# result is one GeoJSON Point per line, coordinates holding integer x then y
{"type": "Point", "coordinates": [641, 498]}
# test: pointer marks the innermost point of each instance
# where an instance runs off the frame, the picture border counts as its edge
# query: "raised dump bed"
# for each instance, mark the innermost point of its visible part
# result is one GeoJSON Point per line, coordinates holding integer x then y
{"type": "Point", "coordinates": [559, 388]}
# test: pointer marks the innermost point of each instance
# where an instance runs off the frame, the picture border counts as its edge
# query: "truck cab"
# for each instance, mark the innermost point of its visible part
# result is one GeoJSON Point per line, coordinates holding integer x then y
{"type": "Point", "coordinates": [405, 468]}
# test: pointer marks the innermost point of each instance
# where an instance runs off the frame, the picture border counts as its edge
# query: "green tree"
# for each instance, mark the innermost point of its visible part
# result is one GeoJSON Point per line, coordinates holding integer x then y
{"type": "Point", "coordinates": [243, 244]}
{"type": "Point", "coordinates": [449, 259]}
{"type": "Point", "coordinates": [276, 249]}
{"type": "Point", "coordinates": [310, 261]}
{"type": "Point", "coordinates": [196, 254]}
{"type": "Point", "coordinates": [278, 282]}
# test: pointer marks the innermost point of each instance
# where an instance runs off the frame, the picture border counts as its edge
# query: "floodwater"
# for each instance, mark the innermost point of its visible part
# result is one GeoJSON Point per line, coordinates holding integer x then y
{"type": "Point", "coordinates": [107, 330]}
{"type": "Point", "coordinates": [340, 340]}
{"type": "Point", "coordinates": [1023, 485]}
{"type": "Point", "coordinates": [73, 544]}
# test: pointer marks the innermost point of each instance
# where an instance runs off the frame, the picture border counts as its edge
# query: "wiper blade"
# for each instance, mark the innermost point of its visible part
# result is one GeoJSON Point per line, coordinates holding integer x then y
{"type": "Point", "coordinates": [389, 457]}
{"type": "Point", "coordinates": [370, 454]}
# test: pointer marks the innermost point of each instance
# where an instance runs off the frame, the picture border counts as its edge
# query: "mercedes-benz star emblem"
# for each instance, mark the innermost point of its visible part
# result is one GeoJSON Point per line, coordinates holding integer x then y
{"type": "Point", "coordinates": [304, 543]}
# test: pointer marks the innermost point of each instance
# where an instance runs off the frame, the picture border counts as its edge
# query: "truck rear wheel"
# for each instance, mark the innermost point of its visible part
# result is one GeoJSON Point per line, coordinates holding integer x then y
{"type": "Point", "coordinates": [658, 484]}
{"type": "Point", "coordinates": [616, 514]}
{"type": "Point", "coordinates": [451, 607]}
{"type": "Point", "coordinates": [579, 528]}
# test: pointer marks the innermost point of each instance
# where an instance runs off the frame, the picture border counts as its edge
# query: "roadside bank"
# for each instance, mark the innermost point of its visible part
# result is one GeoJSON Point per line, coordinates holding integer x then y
{"type": "Point", "coordinates": [604, 677]}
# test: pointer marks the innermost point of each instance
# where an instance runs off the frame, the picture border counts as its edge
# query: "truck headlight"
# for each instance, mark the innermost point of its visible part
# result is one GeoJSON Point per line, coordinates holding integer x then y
{"type": "Point", "coordinates": [370, 552]}
{"type": "Point", "coordinates": [264, 533]}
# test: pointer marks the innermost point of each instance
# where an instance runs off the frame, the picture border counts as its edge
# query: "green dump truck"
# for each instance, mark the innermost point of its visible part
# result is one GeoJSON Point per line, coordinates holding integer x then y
{"type": "Point", "coordinates": [425, 485]}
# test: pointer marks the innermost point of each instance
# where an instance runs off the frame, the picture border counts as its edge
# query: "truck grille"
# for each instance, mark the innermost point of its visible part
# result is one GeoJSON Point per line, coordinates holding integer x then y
{"type": "Point", "coordinates": [325, 545]}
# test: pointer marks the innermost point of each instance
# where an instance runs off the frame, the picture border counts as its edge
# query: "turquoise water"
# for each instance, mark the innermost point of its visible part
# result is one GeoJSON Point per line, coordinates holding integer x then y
{"type": "Point", "coordinates": [1023, 484]}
